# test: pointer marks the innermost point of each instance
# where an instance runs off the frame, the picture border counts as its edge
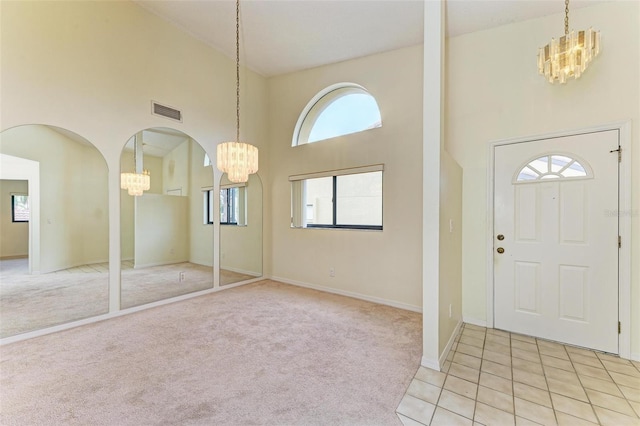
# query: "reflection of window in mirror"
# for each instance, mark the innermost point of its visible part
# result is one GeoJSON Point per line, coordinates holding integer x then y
{"type": "Point", "coordinates": [233, 205]}
{"type": "Point", "coordinates": [207, 203]}
{"type": "Point", "coordinates": [19, 208]}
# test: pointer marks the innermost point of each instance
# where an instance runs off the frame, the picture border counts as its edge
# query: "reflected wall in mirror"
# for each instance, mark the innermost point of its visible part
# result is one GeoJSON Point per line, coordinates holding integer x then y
{"type": "Point", "coordinates": [166, 239]}
{"type": "Point", "coordinates": [54, 229]}
{"type": "Point", "coordinates": [240, 230]}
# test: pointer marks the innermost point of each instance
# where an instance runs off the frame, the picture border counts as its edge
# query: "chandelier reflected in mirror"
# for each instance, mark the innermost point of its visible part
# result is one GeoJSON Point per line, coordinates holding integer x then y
{"type": "Point", "coordinates": [140, 180]}
{"type": "Point", "coordinates": [570, 55]}
{"type": "Point", "coordinates": [237, 159]}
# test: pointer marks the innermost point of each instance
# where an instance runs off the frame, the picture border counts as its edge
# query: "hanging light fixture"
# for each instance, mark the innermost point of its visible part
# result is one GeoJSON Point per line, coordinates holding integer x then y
{"type": "Point", "coordinates": [570, 55]}
{"type": "Point", "coordinates": [139, 181]}
{"type": "Point", "coordinates": [237, 159]}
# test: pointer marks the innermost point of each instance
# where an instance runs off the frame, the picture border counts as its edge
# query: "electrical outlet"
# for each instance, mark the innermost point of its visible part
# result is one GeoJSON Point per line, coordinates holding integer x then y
{"type": "Point", "coordinates": [181, 278]}
{"type": "Point", "coordinates": [332, 272]}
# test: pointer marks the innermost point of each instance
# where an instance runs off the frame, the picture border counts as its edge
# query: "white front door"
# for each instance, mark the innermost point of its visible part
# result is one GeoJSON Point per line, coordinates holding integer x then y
{"type": "Point", "coordinates": [556, 239]}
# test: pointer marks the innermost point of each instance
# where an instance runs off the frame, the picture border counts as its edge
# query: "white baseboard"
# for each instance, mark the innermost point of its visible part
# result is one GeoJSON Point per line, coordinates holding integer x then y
{"type": "Point", "coordinates": [430, 363]}
{"type": "Point", "coordinates": [149, 265]}
{"type": "Point", "coordinates": [242, 271]}
{"type": "Point", "coordinates": [373, 299]}
{"type": "Point", "coordinates": [474, 321]}
{"type": "Point", "coordinates": [635, 356]}
{"type": "Point", "coordinates": [452, 338]}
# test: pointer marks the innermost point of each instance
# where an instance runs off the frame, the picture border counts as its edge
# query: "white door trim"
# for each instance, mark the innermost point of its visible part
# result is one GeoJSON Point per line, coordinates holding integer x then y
{"type": "Point", "coordinates": [624, 265]}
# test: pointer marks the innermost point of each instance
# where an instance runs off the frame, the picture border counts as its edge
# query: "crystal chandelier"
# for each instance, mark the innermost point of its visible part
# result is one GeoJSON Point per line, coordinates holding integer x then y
{"type": "Point", "coordinates": [570, 55]}
{"type": "Point", "coordinates": [136, 183]}
{"type": "Point", "coordinates": [237, 159]}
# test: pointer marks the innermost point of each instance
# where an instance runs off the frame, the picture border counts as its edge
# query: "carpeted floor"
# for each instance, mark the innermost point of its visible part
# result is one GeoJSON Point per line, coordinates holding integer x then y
{"type": "Point", "coordinates": [265, 353]}
{"type": "Point", "coordinates": [32, 302]}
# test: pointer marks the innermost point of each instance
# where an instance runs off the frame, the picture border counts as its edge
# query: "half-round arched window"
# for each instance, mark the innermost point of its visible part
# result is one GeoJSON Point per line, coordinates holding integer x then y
{"type": "Point", "coordinates": [338, 110]}
{"type": "Point", "coordinates": [553, 166]}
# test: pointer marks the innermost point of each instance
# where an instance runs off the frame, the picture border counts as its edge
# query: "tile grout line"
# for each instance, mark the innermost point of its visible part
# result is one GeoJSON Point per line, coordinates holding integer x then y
{"type": "Point", "coordinates": [546, 380]}
{"type": "Point", "coordinates": [555, 351]}
{"type": "Point", "coordinates": [513, 386]}
{"type": "Point", "coordinates": [475, 402]}
{"type": "Point", "coordinates": [616, 385]}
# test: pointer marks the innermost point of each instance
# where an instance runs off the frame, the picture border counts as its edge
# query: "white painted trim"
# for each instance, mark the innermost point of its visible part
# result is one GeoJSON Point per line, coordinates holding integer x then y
{"type": "Point", "coordinates": [474, 321]}
{"type": "Point", "coordinates": [489, 239]}
{"type": "Point", "coordinates": [624, 262]}
{"type": "Point", "coordinates": [452, 339]}
{"type": "Point", "coordinates": [433, 115]}
{"type": "Point", "coordinates": [373, 299]}
{"type": "Point", "coordinates": [635, 356]}
{"type": "Point", "coordinates": [624, 229]}
{"type": "Point", "coordinates": [152, 264]}
{"type": "Point", "coordinates": [242, 271]}
{"type": "Point", "coordinates": [321, 94]}
{"type": "Point", "coordinates": [339, 172]}
{"type": "Point", "coordinates": [430, 363]}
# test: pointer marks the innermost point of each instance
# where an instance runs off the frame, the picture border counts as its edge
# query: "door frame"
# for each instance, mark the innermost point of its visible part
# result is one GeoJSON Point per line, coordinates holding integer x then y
{"type": "Point", "coordinates": [624, 223]}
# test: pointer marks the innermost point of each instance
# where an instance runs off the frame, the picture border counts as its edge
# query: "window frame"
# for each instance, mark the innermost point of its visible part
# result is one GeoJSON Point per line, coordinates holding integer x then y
{"type": "Point", "coordinates": [541, 176]}
{"type": "Point", "coordinates": [13, 208]}
{"type": "Point", "coordinates": [307, 118]}
{"type": "Point", "coordinates": [300, 198]}
{"type": "Point", "coordinates": [230, 206]}
{"type": "Point", "coordinates": [208, 207]}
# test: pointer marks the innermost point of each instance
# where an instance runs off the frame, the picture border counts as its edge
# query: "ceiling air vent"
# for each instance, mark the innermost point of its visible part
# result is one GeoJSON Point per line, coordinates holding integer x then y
{"type": "Point", "coordinates": [165, 111]}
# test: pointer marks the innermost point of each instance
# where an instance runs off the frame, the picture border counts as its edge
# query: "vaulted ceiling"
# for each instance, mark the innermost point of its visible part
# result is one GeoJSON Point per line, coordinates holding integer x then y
{"type": "Point", "coordinates": [281, 36]}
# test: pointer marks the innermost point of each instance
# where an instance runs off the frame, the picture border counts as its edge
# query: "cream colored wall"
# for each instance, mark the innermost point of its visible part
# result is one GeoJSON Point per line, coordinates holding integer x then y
{"type": "Point", "coordinates": [93, 202]}
{"type": "Point", "coordinates": [155, 167]}
{"type": "Point", "coordinates": [127, 202]}
{"type": "Point", "coordinates": [94, 67]}
{"type": "Point", "coordinates": [201, 234]}
{"type": "Point", "coordinates": [381, 265]}
{"type": "Point", "coordinates": [241, 246]}
{"type": "Point", "coordinates": [450, 249]}
{"type": "Point", "coordinates": [175, 169]}
{"type": "Point", "coordinates": [74, 224]}
{"type": "Point", "coordinates": [494, 92]}
{"type": "Point", "coordinates": [14, 236]}
{"type": "Point", "coordinates": [161, 230]}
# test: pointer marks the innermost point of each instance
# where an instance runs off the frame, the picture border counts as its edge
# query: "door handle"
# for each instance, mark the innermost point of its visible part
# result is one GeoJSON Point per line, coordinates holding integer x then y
{"type": "Point", "coordinates": [500, 250]}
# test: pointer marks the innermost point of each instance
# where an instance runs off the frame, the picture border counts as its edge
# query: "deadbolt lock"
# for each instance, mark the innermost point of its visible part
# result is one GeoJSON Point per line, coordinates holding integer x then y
{"type": "Point", "coordinates": [500, 250]}
{"type": "Point", "coordinates": [500, 237]}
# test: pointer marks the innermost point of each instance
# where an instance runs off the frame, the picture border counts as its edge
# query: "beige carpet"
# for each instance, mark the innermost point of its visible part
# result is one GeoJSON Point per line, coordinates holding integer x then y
{"type": "Point", "coordinates": [146, 285]}
{"type": "Point", "coordinates": [264, 353]}
{"type": "Point", "coordinates": [32, 302]}
{"type": "Point", "coordinates": [231, 277]}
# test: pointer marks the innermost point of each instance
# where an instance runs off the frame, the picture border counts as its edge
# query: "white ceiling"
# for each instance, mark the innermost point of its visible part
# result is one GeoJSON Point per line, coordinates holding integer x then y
{"type": "Point", "coordinates": [159, 141]}
{"type": "Point", "coordinates": [281, 36]}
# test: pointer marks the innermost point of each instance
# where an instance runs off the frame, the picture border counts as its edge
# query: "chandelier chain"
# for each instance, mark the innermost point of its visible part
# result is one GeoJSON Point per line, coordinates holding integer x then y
{"type": "Point", "coordinates": [238, 70]}
{"type": "Point", "coordinates": [566, 17]}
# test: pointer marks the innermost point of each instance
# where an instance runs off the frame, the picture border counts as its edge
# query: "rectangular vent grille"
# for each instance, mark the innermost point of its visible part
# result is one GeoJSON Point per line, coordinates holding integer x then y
{"type": "Point", "coordinates": [166, 111]}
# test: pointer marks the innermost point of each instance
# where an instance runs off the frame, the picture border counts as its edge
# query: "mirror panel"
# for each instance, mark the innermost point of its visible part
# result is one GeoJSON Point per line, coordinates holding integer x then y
{"type": "Point", "coordinates": [54, 266]}
{"type": "Point", "coordinates": [166, 241]}
{"type": "Point", "coordinates": [240, 230]}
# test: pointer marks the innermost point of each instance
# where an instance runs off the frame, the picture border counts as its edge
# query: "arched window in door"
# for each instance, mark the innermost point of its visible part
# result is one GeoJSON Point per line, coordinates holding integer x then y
{"type": "Point", "coordinates": [553, 166]}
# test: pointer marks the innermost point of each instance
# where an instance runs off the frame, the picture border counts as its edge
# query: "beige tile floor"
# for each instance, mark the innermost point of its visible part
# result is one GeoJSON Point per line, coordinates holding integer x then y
{"type": "Point", "coordinates": [492, 377]}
